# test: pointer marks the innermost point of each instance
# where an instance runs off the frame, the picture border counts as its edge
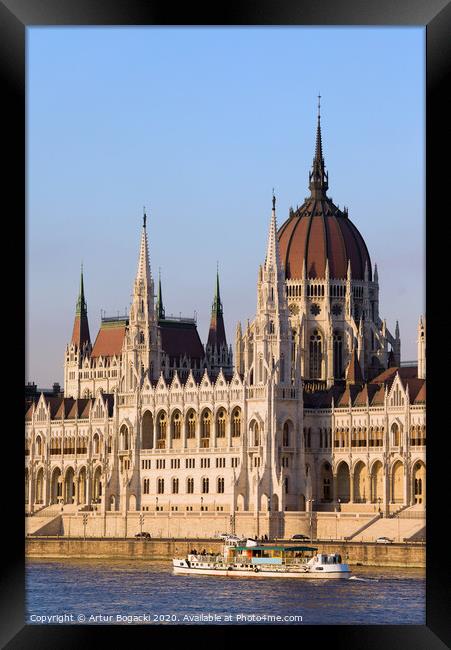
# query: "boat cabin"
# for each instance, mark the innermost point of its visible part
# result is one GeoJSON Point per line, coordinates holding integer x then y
{"type": "Point", "coordinates": [255, 555]}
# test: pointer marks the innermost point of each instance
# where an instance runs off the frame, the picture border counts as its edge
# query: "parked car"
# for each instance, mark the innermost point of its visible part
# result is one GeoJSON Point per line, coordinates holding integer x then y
{"type": "Point", "coordinates": [384, 540]}
{"type": "Point", "coordinates": [142, 536]}
{"type": "Point", "coordinates": [300, 537]}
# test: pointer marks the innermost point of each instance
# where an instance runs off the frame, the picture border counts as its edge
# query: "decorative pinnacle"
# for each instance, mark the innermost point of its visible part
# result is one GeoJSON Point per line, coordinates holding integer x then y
{"type": "Point", "coordinates": [217, 305]}
{"type": "Point", "coordinates": [81, 303]}
{"type": "Point", "coordinates": [144, 216]}
{"type": "Point", "coordinates": [318, 177]}
{"type": "Point", "coordinates": [273, 200]}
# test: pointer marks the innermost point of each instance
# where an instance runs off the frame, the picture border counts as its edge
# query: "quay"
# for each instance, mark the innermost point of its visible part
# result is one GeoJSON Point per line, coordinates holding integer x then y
{"type": "Point", "coordinates": [407, 555]}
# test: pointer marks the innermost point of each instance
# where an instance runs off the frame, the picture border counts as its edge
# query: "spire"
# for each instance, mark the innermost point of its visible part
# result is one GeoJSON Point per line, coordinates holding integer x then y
{"type": "Point", "coordinates": [217, 305]}
{"type": "Point", "coordinates": [318, 177]}
{"type": "Point", "coordinates": [354, 371]}
{"type": "Point", "coordinates": [160, 307]}
{"type": "Point", "coordinates": [144, 264]}
{"type": "Point", "coordinates": [80, 333]}
{"type": "Point", "coordinates": [272, 251]}
{"type": "Point", "coordinates": [216, 334]}
{"type": "Point", "coordinates": [81, 308]}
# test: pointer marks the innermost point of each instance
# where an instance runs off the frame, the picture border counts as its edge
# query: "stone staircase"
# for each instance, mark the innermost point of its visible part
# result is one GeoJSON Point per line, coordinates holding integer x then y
{"type": "Point", "coordinates": [396, 528]}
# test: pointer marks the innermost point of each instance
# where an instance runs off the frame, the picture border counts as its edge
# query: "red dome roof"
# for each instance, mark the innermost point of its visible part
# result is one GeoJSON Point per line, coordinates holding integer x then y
{"type": "Point", "coordinates": [318, 231]}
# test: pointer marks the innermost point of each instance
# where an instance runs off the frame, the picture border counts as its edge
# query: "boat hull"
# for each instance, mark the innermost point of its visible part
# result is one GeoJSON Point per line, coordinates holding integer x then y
{"type": "Point", "coordinates": [237, 572]}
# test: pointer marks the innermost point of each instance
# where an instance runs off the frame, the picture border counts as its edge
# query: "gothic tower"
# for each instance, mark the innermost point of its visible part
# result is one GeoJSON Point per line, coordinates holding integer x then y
{"type": "Point", "coordinates": [141, 343]}
{"type": "Point", "coordinates": [79, 347]}
{"type": "Point", "coordinates": [217, 354]}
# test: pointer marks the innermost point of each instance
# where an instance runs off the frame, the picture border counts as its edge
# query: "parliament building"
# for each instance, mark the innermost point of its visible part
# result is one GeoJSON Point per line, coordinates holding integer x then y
{"type": "Point", "coordinates": [309, 411]}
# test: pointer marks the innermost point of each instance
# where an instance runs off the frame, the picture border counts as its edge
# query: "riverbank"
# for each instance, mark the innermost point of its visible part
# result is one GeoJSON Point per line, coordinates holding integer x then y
{"type": "Point", "coordinates": [356, 553]}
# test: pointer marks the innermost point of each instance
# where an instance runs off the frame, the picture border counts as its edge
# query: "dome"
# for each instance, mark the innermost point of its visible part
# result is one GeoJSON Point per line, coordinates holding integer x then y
{"type": "Point", "coordinates": [318, 231]}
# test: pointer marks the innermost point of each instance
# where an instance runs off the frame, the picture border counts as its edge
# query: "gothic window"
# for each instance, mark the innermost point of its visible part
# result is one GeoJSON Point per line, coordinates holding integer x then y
{"type": "Point", "coordinates": [160, 486]}
{"type": "Point", "coordinates": [336, 309]}
{"type": "Point", "coordinates": [175, 486]}
{"type": "Point", "coordinates": [315, 355]}
{"type": "Point", "coordinates": [161, 432]}
{"type": "Point", "coordinates": [39, 446]}
{"type": "Point", "coordinates": [338, 355]}
{"type": "Point", "coordinates": [285, 484]}
{"type": "Point", "coordinates": [191, 425]}
{"type": "Point", "coordinates": [206, 424]}
{"type": "Point", "coordinates": [146, 431]}
{"type": "Point", "coordinates": [260, 369]}
{"type": "Point", "coordinates": [271, 327]}
{"type": "Point", "coordinates": [220, 485]}
{"type": "Point", "coordinates": [177, 425]}
{"type": "Point", "coordinates": [190, 486]}
{"type": "Point", "coordinates": [315, 309]}
{"type": "Point", "coordinates": [221, 424]}
{"type": "Point", "coordinates": [282, 368]}
{"type": "Point", "coordinates": [205, 485]}
{"type": "Point", "coordinates": [286, 435]}
{"type": "Point", "coordinates": [236, 423]}
{"type": "Point", "coordinates": [395, 435]}
{"type": "Point", "coordinates": [146, 487]}
{"type": "Point", "coordinates": [124, 438]}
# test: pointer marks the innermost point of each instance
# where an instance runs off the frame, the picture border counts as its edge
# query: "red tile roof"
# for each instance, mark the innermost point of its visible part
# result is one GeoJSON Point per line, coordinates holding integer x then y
{"type": "Point", "coordinates": [109, 340]}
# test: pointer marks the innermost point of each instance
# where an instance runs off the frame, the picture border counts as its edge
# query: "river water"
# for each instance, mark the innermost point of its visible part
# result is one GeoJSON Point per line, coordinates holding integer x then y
{"type": "Point", "coordinates": [143, 592]}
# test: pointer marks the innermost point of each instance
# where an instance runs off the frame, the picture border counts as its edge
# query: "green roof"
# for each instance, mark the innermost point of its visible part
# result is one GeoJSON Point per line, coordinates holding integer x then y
{"type": "Point", "coordinates": [274, 548]}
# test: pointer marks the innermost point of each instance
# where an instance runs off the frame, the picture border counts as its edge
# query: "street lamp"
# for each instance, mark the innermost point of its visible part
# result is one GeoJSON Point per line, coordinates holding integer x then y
{"type": "Point", "coordinates": [311, 515]}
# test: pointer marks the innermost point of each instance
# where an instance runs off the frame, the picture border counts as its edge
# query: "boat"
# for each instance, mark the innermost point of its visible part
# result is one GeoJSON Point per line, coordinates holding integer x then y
{"type": "Point", "coordinates": [264, 561]}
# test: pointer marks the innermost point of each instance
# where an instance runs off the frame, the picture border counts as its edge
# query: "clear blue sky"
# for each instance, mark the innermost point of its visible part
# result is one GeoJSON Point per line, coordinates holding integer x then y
{"type": "Point", "coordinates": [199, 124]}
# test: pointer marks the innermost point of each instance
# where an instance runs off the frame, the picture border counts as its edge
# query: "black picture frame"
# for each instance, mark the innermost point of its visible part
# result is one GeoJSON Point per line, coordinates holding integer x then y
{"type": "Point", "coordinates": [435, 16]}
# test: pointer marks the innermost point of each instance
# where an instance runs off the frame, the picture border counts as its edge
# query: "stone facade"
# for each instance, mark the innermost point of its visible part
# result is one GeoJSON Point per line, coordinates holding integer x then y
{"type": "Point", "coordinates": [315, 412]}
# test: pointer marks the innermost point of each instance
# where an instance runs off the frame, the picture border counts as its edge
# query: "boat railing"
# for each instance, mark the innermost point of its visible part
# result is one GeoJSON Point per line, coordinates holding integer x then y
{"type": "Point", "coordinates": [199, 557]}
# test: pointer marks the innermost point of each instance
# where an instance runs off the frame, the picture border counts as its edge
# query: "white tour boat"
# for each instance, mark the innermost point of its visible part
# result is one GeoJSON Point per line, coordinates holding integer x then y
{"type": "Point", "coordinates": [265, 561]}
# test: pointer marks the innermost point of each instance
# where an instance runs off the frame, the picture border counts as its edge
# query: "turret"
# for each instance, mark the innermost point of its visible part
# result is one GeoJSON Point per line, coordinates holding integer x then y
{"type": "Point", "coordinates": [422, 348]}
{"type": "Point", "coordinates": [216, 351]}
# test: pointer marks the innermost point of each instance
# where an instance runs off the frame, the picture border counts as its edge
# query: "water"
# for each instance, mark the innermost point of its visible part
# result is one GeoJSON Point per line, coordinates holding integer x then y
{"type": "Point", "coordinates": [81, 590]}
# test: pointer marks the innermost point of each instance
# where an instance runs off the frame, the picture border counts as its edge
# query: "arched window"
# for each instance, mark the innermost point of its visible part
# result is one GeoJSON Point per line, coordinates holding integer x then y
{"type": "Point", "coordinates": [315, 355]}
{"type": "Point", "coordinates": [236, 423]}
{"type": "Point", "coordinates": [147, 431]}
{"type": "Point", "coordinates": [124, 438]}
{"type": "Point", "coordinates": [161, 431]}
{"type": "Point", "coordinates": [221, 424]}
{"type": "Point", "coordinates": [255, 432]}
{"type": "Point", "coordinates": [160, 486]}
{"type": "Point", "coordinates": [191, 425]}
{"type": "Point", "coordinates": [206, 424]}
{"type": "Point", "coordinates": [205, 485]}
{"type": "Point", "coordinates": [395, 434]}
{"type": "Point", "coordinates": [175, 486]}
{"type": "Point", "coordinates": [96, 444]}
{"type": "Point", "coordinates": [285, 484]}
{"type": "Point", "coordinates": [190, 486]}
{"type": "Point", "coordinates": [177, 425]}
{"type": "Point", "coordinates": [286, 435]}
{"type": "Point", "coordinates": [39, 446]}
{"type": "Point", "coordinates": [220, 485]}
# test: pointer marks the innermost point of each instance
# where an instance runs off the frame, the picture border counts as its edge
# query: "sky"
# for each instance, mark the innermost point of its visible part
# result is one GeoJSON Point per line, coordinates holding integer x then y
{"type": "Point", "coordinates": [198, 125]}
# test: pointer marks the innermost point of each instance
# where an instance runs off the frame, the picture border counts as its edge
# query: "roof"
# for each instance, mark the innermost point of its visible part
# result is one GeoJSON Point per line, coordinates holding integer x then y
{"type": "Point", "coordinates": [80, 333]}
{"type": "Point", "coordinates": [319, 231]}
{"type": "Point", "coordinates": [179, 338]}
{"type": "Point", "coordinates": [68, 408]}
{"type": "Point", "coordinates": [109, 339]}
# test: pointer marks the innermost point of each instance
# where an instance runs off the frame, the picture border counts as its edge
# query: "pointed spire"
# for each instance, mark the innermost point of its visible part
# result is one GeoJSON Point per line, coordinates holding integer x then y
{"type": "Point", "coordinates": [376, 275]}
{"type": "Point", "coordinates": [397, 330]}
{"type": "Point", "coordinates": [217, 305]}
{"type": "Point", "coordinates": [272, 251]}
{"type": "Point", "coordinates": [216, 334]}
{"type": "Point", "coordinates": [318, 177]}
{"type": "Point", "coordinates": [80, 332]}
{"type": "Point", "coordinates": [160, 307]}
{"type": "Point", "coordinates": [81, 308]}
{"type": "Point", "coordinates": [144, 263]}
